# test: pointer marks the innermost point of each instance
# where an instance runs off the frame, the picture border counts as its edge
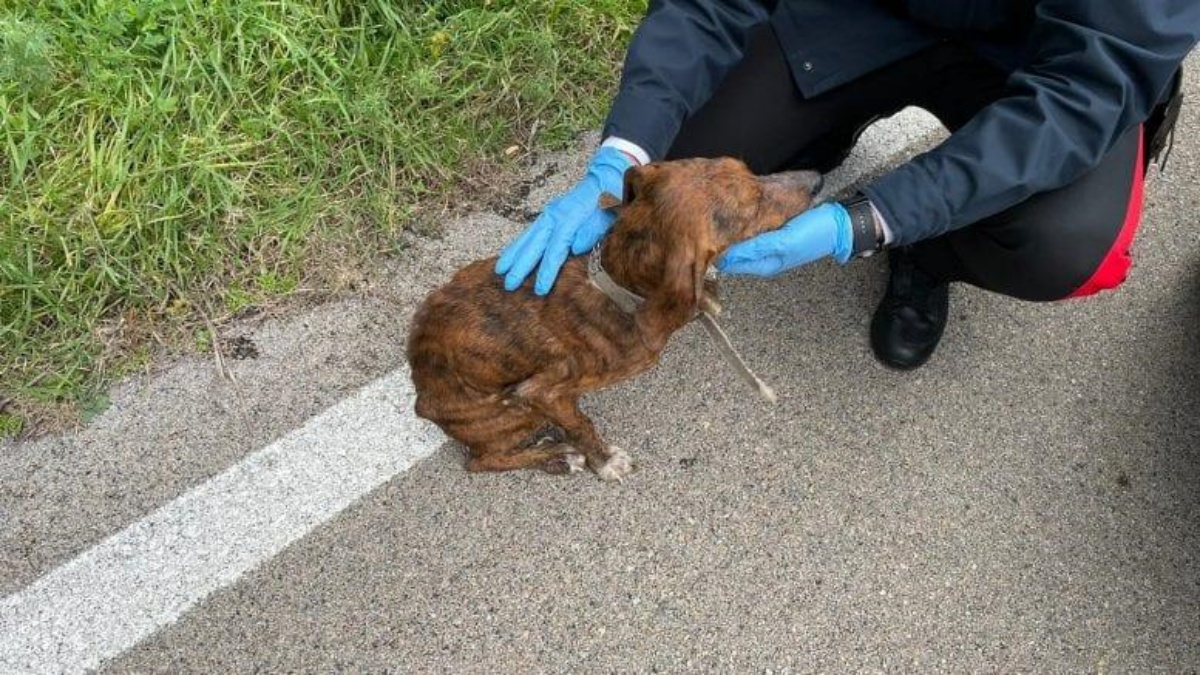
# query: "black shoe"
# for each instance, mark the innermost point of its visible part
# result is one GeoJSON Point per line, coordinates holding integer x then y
{"type": "Point", "coordinates": [910, 319]}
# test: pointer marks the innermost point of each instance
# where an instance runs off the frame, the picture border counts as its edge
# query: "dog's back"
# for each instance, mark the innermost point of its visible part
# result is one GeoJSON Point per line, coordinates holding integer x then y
{"type": "Point", "coordinates": [473, 343]}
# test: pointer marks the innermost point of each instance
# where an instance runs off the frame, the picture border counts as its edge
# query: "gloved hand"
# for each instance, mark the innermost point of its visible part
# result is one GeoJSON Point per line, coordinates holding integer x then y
{"type": "Point", "coordinates": [572, 222]}
{"type": "Point", "coordinates": [814, 234]}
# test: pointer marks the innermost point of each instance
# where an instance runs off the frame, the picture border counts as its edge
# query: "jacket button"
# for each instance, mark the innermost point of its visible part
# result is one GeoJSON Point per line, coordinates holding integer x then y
{"type": "Point", "coordinates": [807, 66]}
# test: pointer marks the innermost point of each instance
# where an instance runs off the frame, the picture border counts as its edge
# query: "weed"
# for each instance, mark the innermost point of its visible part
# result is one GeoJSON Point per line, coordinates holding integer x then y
{"type": "Point", "coordinates": [160, 158]}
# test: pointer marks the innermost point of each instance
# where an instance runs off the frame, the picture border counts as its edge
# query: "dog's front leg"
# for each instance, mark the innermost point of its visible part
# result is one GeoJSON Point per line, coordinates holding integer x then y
{"type": "Point", "coordinates": [608, 461]}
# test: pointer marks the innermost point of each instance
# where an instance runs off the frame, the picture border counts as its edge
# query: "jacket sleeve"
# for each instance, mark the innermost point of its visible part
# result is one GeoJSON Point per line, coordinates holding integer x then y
{"type": "Point", "coordinates": [1097, 69]}
{"type": "Point", "coordinates": [679, 54]}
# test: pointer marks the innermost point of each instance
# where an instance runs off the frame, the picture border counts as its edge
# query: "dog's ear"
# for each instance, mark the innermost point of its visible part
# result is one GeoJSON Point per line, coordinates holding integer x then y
{"type": "Point", "coordinates": [638, 181]}
{"type": "Point", "coordinates": [675, 302]}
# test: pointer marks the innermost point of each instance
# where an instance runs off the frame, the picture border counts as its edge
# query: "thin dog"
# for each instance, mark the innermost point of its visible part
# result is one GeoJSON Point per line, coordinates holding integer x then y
{"type": "Point", "coordinates": [503, 372]}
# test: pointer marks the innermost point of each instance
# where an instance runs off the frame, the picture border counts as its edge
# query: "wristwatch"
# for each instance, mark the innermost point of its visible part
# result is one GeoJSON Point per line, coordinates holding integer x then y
{"type": "Point", "coordinates": [868, 238]}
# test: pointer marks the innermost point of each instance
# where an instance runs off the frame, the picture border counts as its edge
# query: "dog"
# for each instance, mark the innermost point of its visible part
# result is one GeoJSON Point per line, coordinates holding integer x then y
{"type": "Point", "coordinates": [503, 372]}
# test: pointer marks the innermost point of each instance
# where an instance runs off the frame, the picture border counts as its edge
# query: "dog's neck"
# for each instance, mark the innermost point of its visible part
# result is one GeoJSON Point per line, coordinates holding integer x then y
{"type": "Point", "coordinates": [616, 257]}
{"type": "Point", "coordinates": [627, 300]}
{"type": "Point", "coordinates": [630, 302]}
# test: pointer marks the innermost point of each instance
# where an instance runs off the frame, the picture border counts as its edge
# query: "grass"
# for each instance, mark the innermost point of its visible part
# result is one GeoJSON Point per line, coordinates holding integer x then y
{"type": "Point", "coordinates": [169, 163]}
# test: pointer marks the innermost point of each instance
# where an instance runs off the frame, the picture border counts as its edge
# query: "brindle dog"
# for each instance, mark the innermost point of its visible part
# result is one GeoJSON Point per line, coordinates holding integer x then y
{"type": "Point", "coordinates": [503, 372]}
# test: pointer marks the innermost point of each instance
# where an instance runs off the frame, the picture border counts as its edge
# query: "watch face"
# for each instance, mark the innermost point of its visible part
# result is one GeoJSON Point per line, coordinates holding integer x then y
{"type": "Point", "coordinates": [862, 226]}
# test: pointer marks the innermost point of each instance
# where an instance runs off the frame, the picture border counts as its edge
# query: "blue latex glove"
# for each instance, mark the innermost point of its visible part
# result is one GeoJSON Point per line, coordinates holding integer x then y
{"type": "Point", "coordinates": [812, 235]}
{"type": "Point", "coordinates": [572, 222]}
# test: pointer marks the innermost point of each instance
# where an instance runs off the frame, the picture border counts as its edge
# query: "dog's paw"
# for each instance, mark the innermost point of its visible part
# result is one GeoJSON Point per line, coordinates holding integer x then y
{"type": "Point", "coordinates": [617, 466]}
{"type": "Point", "coordinates": [568, 462]}
{"type": "Point", "coordinates": [575, 462]}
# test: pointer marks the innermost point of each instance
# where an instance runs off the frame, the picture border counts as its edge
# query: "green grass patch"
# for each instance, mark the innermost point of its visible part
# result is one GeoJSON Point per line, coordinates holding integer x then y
{"type": "Point", "coordinates": [167, 161]}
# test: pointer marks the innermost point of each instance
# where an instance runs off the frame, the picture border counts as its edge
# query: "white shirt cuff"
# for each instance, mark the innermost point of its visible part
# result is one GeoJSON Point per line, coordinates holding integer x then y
{"type": "Point", "coordinates": [628, 147]}
{"type": "Point", "coordinates": [888, 237]}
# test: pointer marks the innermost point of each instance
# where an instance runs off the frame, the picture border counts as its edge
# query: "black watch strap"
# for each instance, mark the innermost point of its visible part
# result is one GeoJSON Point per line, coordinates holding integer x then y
{"type": "Point", "coordinates": [862, 223]}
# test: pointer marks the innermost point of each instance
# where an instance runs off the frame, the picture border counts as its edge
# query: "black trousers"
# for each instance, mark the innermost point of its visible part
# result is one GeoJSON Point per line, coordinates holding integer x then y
{"type": "Point", "coordinates": [1068, 242]}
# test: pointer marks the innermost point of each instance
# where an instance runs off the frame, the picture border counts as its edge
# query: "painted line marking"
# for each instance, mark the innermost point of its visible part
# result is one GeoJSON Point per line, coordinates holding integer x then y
{"type": "Point", "coordinates": [145, 577]}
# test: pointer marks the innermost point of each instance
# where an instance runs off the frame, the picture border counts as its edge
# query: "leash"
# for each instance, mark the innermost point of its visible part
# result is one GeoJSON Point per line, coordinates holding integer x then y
{"type": "Point", "coordinates": [629, 302]}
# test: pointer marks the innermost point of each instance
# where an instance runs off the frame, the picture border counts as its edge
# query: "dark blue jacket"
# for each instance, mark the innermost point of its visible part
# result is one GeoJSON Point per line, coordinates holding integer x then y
{"type": "Point", "coordinates": [1083, 73]}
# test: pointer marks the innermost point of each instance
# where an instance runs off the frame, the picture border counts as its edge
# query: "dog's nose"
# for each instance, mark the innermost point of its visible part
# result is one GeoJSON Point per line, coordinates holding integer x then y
{"type": "Point", "coordinates": [811, 181]}
{"type": "Point", "coordinates": [818, 183]}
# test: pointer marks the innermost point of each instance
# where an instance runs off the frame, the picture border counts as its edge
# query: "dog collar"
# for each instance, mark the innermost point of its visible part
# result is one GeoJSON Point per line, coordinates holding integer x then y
{"type": "Point", "coordinates": [627, 300]}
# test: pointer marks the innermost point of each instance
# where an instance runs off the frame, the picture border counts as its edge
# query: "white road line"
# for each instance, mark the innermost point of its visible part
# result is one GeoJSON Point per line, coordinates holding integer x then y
{"type": "Point", "coordinates": [145, 577]}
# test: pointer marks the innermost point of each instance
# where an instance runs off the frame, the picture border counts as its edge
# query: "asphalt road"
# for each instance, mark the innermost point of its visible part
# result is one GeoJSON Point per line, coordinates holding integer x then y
{"type": "Point", "coordinates": [1028, 501]}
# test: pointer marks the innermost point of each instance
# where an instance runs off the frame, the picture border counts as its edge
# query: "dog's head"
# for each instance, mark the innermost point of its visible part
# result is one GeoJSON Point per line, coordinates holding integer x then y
{"type": "Point", "coordinates": [676, 217]}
